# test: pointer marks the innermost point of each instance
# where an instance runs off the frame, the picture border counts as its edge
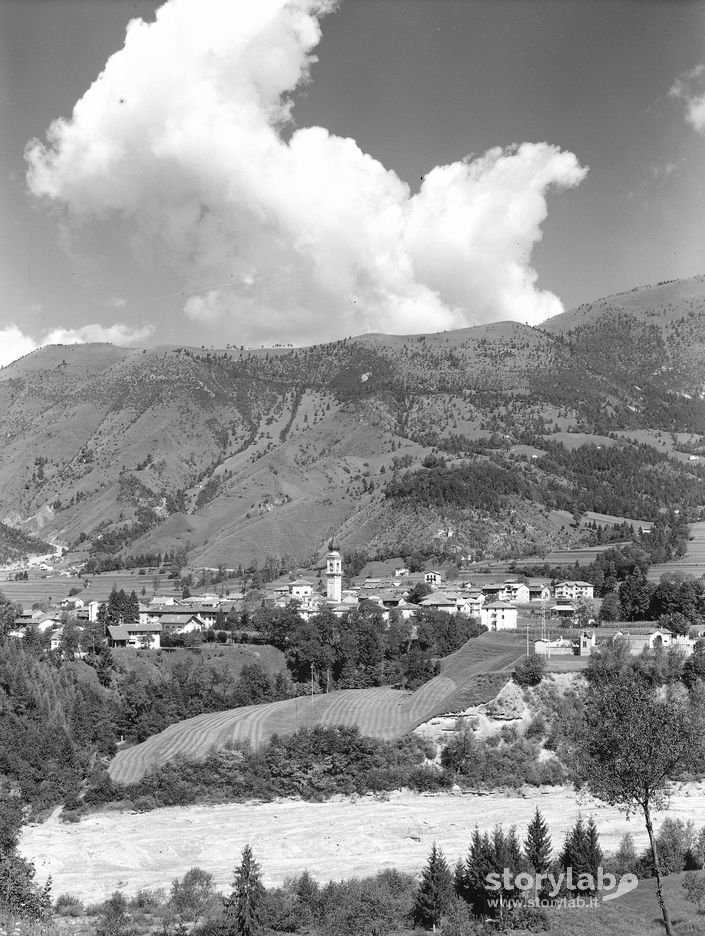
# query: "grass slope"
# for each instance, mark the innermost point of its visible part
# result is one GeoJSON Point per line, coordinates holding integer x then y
{"type": "Point", "coordinates": [691, 564]}
{"type": "Point", "coordinates": [380, 712]}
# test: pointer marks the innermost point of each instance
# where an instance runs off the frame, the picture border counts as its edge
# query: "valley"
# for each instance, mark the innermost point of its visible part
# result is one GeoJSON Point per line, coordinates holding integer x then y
{"type": "Point", "coordinates": [288, 523]}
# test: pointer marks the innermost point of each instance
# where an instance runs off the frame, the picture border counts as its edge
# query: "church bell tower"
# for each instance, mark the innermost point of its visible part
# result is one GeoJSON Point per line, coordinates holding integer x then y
{"type": "Point", "coordinates": [334, 573]}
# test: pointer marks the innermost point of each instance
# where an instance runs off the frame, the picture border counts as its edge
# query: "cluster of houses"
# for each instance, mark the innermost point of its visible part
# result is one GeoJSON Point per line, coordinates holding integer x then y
{"type": "Point", "coordinates": [636, 644]}
{"type": "Point", "coordinates": [495, 604]}
{"type": "Point", "coordinates": [164, 615]}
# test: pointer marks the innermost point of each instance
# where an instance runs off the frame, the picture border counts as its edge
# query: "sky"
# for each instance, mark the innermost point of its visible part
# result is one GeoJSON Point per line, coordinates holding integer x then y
{"type": "Point", "coordinates": [212, 172]}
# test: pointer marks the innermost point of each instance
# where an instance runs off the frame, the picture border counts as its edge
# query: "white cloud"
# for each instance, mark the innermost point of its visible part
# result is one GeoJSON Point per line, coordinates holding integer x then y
{"type": "Point", "coordinates": [690, 88]}
{"type": "Point", "coordinates": [180, 138]}
{"type": "Point", "coordinates": [15, 344]}
{"type": "Point", "coordinates": [116, 302]}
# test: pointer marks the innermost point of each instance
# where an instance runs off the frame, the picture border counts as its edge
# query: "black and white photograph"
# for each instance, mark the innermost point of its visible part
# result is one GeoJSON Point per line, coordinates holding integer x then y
{"type": "Point", "coordinates": [352, 467]}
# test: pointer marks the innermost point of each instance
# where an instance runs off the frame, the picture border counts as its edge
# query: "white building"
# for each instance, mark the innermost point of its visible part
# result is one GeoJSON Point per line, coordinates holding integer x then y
{"type": "Point", "coordinates": [498, 615]}
{"type": "Point", "coordinates": [572, 591]}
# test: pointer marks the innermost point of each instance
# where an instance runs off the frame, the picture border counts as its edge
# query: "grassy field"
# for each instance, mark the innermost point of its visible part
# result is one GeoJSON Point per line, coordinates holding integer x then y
{"type": "Point", "coordinates": [634, 914]}
{"type": "Point", "coordinates": [53, 587]}
{"type": "Point", "coordinates": [381, 712]}
{"type": "Point", "coordinates": [584, 555]}
{"type": "Point", "coordinates": [694, 561]}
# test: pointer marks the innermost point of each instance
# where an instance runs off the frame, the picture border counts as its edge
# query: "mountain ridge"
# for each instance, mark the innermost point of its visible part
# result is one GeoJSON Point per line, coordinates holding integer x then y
{"type": "Point", "coordinates": [234, 453]}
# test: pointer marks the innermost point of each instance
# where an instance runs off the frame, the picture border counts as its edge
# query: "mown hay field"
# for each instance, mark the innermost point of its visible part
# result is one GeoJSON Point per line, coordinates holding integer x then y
{"type": "Point", "coordinates": [381, 712]}
{"type": "Point", "coordinates": [692, 564]}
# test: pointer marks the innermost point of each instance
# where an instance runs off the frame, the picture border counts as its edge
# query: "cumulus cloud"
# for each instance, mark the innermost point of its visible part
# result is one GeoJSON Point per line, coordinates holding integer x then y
{"type": "Point", "coordinates": [290, 237]}
{"type": "Point", "coordinates": [690, 88]}
{"type": "Point", "coordinates": [15, 344]}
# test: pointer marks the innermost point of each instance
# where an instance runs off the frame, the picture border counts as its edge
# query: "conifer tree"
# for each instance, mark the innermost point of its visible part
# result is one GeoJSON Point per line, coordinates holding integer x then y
{"type": "Point", "coordinates": [460, 883]}
{"type": "Point", "coordinates": [593, 852]}
{"type": "Point", "coordinates": [243, 907]}
{"type": "Point", "coordinates": [537, 847]}
{"type": "Point", "coordinates": [477, 866]}
{"type": "Point", "coordinates": [434, 896]}
{"type": "Point", "coordinates": [581, 851]}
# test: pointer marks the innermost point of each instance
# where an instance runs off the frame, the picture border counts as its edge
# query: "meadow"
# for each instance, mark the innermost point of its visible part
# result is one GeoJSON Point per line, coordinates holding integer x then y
{"type": "Point", "coordinates": [381, 712]}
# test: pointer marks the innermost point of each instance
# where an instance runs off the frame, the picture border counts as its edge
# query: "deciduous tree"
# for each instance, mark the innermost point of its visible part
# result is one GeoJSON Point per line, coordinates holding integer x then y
{"type": "Point", "coordinates": [632, 741]}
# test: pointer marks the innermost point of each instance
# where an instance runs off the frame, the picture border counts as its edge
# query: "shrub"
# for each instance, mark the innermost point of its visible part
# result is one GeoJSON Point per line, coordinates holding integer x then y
{"type": "Point", "coordinates": [68, 905]}
{"type": "Point", "coordinates": [530, 671]}
{"type": "Point", "coordinates": [148, 901]}
{"type": "Point", "coordinates": [694, 887]}
{"type": "Point", "coordinates": [537, 727]}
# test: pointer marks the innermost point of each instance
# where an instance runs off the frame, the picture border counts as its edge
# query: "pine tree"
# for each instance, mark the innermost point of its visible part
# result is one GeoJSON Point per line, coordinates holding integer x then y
{"type": "Point", "coordinates": [579, 850]}
{"type": "Point", "coordinates": [477, 866]}
{"type": "Point", "coordinates": [434, 896]}
{"type": "Point", "coordinates": [244, 905]}
{"type": "Point", "coordinates": [460, 883]}
{"type": "Point", "coordinates": [537, 847]}
{"type": "Point", "coordinates": [593, 852]}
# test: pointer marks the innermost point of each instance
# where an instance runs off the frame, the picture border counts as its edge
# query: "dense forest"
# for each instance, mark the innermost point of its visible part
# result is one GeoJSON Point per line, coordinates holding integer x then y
{"type": "Point", "coordinates": [623, 480]}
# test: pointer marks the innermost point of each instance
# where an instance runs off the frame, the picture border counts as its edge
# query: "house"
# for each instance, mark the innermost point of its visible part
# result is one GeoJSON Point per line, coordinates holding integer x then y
{"type": "Point", "coordinates": [516, 591]}
{"type": "Point", "coordinates": [498, 615]}
{"type": "Point", "coordinates": [562, 609]}
{"type": "Point", "coordinates": [538, 591]}
{"type": "Point", "coordinates": [407, 610]}
{"type": "Point", "coordinates": [49, 622]}
{"type": "Point", "coordinates": [474, 600]}
{"type": "Point", "coordinates": [180, 623]}
{"type": "Point", "coordinates": [71, 604]}
{"type": "Point", "coordinates": [142, 636]}
{"type": "Point", "coordinates": [300, 588]}
{"type": "Point", "coordinates": [440, 601]}
{"type": "Point", "coordinates": [433, 577]}
{"type": "Point", "coordinates": [572, 591]}
{"type": "Point", "coordinates": [494, 591]}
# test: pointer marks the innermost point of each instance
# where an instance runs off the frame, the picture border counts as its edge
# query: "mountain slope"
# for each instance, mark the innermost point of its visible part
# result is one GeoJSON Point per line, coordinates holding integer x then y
{"type": "Point", "coordinates": [240, 454]}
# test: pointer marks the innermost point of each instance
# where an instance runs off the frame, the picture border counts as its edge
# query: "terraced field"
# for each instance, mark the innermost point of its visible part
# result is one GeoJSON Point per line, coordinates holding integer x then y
{"type": "Point", "coordinates": [380, 712]}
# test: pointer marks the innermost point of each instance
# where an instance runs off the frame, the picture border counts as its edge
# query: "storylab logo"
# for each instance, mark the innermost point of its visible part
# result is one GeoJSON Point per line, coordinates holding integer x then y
{"type": "Point", "coordinates": [566, 888]}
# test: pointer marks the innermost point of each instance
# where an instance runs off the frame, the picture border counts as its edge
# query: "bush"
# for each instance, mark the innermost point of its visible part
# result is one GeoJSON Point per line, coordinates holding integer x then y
{"type": "Point", "coordinates": [537, 727]}
{"type": "Point", "coordinates": [530, 671]}
{"type": "Point", "coordinates": [68, 905]}
{"type": "Point", "coordinates": [694, 887]}
{"type": "Point", "coordinates": [148, 901]}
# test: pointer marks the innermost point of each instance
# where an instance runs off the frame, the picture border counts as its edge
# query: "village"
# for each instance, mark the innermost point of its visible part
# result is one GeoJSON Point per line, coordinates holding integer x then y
{"type": "Point", "coordinates": [560, 619]}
